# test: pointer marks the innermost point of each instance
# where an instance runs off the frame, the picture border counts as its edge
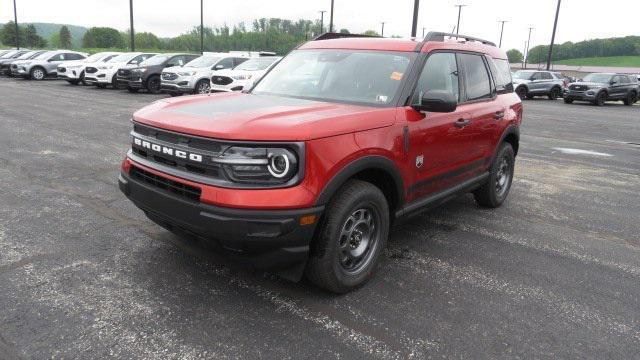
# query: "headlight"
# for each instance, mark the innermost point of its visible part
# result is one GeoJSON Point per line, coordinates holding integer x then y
{"type": "Point", "coordinates": [139, 70]}
{"type": "Point", "coordinates": [188, 73]}
{"type": "Point", "coordinates": [260, 166]}
{"type": "Point", "coordinates": [105, 67]}
{"type": "Point", "coordinates": [241, 77]}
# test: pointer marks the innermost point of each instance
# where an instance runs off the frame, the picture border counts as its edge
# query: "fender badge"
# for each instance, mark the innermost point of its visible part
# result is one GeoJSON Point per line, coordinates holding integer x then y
{"type": "Point", "coordinates": [419, 161]}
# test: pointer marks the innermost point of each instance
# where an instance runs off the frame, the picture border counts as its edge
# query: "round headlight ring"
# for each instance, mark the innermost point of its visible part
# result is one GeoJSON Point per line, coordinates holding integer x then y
{"type": "Point", "coordinates": [279, 165]}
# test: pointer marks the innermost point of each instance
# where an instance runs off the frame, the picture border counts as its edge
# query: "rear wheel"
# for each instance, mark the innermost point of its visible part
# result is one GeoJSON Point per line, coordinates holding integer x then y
{"type": "Point", "coordinates": [38, 73]}
{"type": "Point", "coordinates": [555, 93]}
{"type": "Point", "coordinates": [351, 238]}
{"type": "Point", "coordinates": [631, 99]}
{"type": "Point", "coordinates": [522, 92]}
{"type": "Point", "coordinates": [203, 86]}
{"type": "Point", "coordinates": [153, 84]}
{"type": "Point", "coordinates": [493, 193]}
{"type": "Point", "coordinates": [600, 99]}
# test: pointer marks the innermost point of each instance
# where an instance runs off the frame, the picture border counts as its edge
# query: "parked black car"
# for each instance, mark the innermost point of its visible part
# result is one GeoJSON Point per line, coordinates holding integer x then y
{"type": "Point", "coordinates": [601, 87]}
{"type": "Point", "coordinates": [147, 74]}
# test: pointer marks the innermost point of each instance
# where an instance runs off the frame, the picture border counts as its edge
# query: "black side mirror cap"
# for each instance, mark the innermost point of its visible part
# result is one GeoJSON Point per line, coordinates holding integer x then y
{"type": "Point", "coordinates": [438, 101]}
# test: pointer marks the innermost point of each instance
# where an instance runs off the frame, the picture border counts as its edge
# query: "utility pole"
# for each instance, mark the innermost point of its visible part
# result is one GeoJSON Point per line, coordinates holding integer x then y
{"type": "Point", "coordinates": [553, 37]}
{"type": "Point", "coordinates": [527, 51]}
{"type": "Point", "coordinates": [382, 32]}
{"type": "Point", "coordinates": [524, 64]}
{"type": "Point", "coordinates": [322, 20]}
{"type": "Point", "coordinates": [331, 18]}
{"type": "Point", "coordinates": [414, 25]}
{"type": "Point", "coordinates": [133, 36]}
{"type": "Point", "coordinates": [15, 19]}
{"type": "Point", "coordinates": [202, 26]}
{"type": "Point", "coordinates": [423, 31]}
{"type": "Point", "coordinates": [502, 31]}
{"type": "Point", "coordinates": [459, 6]}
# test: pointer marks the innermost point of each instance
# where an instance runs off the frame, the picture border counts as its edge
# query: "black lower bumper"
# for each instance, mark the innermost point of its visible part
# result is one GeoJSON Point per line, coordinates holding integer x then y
{"type": "Point", "coordinates": [263, 239]}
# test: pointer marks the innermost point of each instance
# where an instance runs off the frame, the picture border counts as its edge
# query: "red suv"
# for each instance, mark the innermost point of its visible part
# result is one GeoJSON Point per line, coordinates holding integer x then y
{"type": "Point", "coordinates": [305, 172]}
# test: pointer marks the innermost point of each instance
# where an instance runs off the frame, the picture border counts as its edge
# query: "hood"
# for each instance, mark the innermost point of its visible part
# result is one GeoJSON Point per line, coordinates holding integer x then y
{"type": "Point", "coordinates": [587, 83]}
{"type": "Point", "coordinates": [521, 81]}
{"type": "Point", "coordinates": [238, 116]}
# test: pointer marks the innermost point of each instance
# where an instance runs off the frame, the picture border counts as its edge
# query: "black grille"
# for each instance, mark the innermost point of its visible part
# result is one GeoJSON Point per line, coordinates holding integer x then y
{"type": "Point", "coordinates": [124, 72]}
{"type": "Point", "coordinates": [180, 189]}
{"type": "Point", "coordinates": [169, 76]}
{"type": "Point", "coordinates": [578, 87]}
{"type": "Point", "coordinates": [221, 80]}
{"type": "Point", "coordinates": [90, 70]}
{"type": "Point", "coordinates": [62, 69]}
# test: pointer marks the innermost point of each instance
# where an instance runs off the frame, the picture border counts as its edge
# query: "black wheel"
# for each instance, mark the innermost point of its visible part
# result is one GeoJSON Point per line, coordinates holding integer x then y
{"type": "Point", "coordinates": [101, 86]}
{"type": "Point", "coordinates": [114, 82]}
{"type": "Point", "coordinates": [600, 99]}
{"type": "Point", "coordinates": [529, 96]}
{"type": "Point", "coordinates": [153, 84]}
{"type": "Point", "coordinates": [203, 86]}
{"type": "Point", "coordinates": [522, 92]}
{"type": "Point", "coordinates": [174, 94]}
{"type": "Point", "coordinates": [493, 193]}
{"type": "Point", "coordinates": [81, 78]}
{"type": "Point", "coordinates": [37, 73]}
{"type": "Point", "coordinates": [554, 94]}
{"type": "Point", "coordinates": [351, 237]}
{"type": "Point", "coordinates": [568, 100]}
{"type": "Point", "coordinates": [631, 99]}
{"type": "Point", "coordinates": [73, 82]}
{"type": "Point", "coordinates": [132, 90]}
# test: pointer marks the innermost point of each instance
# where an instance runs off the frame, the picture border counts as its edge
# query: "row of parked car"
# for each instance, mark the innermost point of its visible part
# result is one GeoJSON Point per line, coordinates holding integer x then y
{"type": "Point", "coordinates": [596, 88]}
{"type": "Point", "coordinates": [174, 73]}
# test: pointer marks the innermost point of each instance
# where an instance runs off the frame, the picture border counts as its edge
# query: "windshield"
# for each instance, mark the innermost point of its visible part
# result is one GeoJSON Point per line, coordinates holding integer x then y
{"type": "Point", "coordinates": [9, 54]}
{"type": "Point", "coordinates": [94, 57]}
{"type": "Point", "coordinates": [203, 61]}
{"type": "Point", "coordinates": [523, 75]}
{"type": "Point", "coordinates": [43, 56]}
{"type": "Point", "coordinates": [154, 60]}
{"type": "Point", "coordinates": [27, 55]}
{"type": "Point", "coordinates": [370, 77]}
{"type": "Point", "coordinates": [122, 58]}
{"type": "Point", "coordinates": [256, 64]}
{"type": "Point", "coordinates": [598, 78]}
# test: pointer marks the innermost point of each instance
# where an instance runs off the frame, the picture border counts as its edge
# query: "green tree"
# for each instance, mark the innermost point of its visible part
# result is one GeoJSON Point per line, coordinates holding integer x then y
{"type": "Point", "coordinates": [144, 40]}
{"type": "Point", "coordinates": [344, 31]}
{"type": "Point", "coordinates": [102, 37]}
{"type": "Point", "coordinates": [8, 34]}
{"type": "Point", "coordinates": [515, 56]}
{"type": "Point", "coordinates": [54, 40]}
{"type": "Point", "coordinates": [371, 33]}
{"type": "Point", "coordinates": [32, 39]}
{"type": "Point", "coordinates": [65, 37]}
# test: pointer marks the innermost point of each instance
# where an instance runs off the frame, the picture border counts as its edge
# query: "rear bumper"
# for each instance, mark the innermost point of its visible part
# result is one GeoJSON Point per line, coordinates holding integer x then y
{"type": "Point", "coordinates": [264, 239]}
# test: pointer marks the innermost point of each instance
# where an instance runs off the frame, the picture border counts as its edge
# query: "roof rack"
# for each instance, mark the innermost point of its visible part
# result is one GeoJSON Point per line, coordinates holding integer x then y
{"type": "Point", "coordinates": [439, 36]}
{"type": "Point", "coordinates": [333, 35]}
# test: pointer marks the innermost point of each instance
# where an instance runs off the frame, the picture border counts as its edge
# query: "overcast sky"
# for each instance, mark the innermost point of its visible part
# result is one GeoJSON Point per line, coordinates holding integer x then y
{"type": "Point", "coordinates": [579, 19]}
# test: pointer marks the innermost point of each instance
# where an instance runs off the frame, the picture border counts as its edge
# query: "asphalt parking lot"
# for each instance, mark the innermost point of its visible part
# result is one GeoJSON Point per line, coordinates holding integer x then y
{"type": "Point", "coordinates": [554, 273]}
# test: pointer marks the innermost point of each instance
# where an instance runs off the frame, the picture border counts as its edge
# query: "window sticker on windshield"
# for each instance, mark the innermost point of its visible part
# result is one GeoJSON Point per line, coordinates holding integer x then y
{"type": "Point", "coordinates": [396, 76]}
{"type": "Point", "coordinates": [382, 98]}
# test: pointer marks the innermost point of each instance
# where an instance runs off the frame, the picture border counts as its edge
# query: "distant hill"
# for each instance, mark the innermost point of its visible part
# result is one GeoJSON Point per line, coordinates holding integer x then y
{"type": "Point", "coordinates": [47, 29]}
{"type": "Point", "coordinates": [615, 61]}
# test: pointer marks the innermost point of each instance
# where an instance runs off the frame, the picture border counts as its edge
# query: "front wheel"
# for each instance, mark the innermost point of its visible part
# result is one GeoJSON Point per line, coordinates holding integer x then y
{"type": "Point", "coordinates": [203, 86]}
{"type": "Point", "coordinates": [493, 193]}
{"type": "Point", "coordinates": [600, 99]}
{"type": "Point", "coordinates": [554, 94]}
{"type": "Point", "coordinates": [522, 92]}
{"type": "Point", "coordinates": [73, 82]}
{"type": "Point", "coordinates": [351, 238]}
{"type": "Point", "coordinates": [153, 84]}
{"type": "Point", "coordinates": [37, 74]}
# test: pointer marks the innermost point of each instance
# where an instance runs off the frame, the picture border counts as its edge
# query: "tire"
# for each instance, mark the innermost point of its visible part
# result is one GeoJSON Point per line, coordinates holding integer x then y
{"type": "Point", "coordinates": [202, 87]}
{"type": "Point", "coordinates": [153, 84]}
{"type": "Point", "coordinates": [114, 82]}
{"type": "Point", "coordinates": [73, 82]}
{"type": "Point", "coordinates": [568, 101]}
{"type": "Point", "coordinates": [37, 73]}
{"type": "Point", "coordinates": [529, 96]}
{"type": "Point", "coordinates": [554, 94]}
{"type": "Point", "coordinates": [350, 239]}
{"type": "Point", "coordinates": [631, 98]}
{"type": "Point", "coordinates": [522, 92]}
{"type": "Point", "coordinates": [494, 192]}
{"type": "Point", "coordinates": [601, 98]}
{"type": "Point", "coordinates": [81, 79]}
{"type": "Point", "coordinates": [132, 90]}
{"type": "Point", "coordinates": [101, 86]}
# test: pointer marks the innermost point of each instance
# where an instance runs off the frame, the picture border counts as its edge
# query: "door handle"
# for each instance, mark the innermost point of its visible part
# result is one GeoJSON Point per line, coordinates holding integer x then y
{"type": "Point", "coordinates": [462, 123]}
{"type": "Point", "coordinates": [499, 115]}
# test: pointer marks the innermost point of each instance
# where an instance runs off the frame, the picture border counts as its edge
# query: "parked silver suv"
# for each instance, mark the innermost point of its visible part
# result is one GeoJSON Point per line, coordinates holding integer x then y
{"type": "Point", "coordinates": [46, 64]}
{"type": "Point", "coordinates": [530, 83]}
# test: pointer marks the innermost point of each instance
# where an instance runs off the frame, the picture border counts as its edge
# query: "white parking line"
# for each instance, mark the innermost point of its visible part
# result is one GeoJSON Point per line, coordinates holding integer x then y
{"type": "Point", "coordinates": [571, 151]}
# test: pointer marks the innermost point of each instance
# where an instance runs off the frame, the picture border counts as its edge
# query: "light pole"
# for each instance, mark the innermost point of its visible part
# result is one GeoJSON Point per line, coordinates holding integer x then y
{"type": "Point", "coordinates": [527, 51]}
{"type": "Point", "coordinates": [331, 18]}
{"type": "Point", "coordinates": [133, 37]}
{"type": "Point", "coordinates": [322, 20]}
{"type": "Point", "coordinates": [382, 32]}
{"type": "Point", "coordinates": [423, 31]}
{"type": "Point", "coordinates": [15, 20]}
{"type": "Point", "coordinates": [502, 31]}
{"type": "Point", "coordinates": [459, 6]}
{"type": "Point", "coordinates": [553, 36]}
{"type": "Point", "coordinates": [524, 50]}
{"type": "Point", "coordinates": [201, 27]}
{"type": "Point", "coordinates": [414, 24]}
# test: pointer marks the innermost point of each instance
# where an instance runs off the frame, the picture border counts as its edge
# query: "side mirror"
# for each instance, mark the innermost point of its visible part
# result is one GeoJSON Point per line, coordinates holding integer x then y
{"type": "Point", "coordinates": [437, 101]}
{"type": "Point", "coordinates": [612, 82]}
{"type": "Point", "coordinates": [218, 67]}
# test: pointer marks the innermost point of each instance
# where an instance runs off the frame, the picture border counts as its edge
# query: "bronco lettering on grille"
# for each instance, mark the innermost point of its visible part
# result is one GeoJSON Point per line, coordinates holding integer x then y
{"type": "Point", "coordinates": [167, 150]}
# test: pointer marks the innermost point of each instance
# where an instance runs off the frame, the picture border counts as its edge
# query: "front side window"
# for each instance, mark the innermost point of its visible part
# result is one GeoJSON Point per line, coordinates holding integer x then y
{"type": "Point", "coordinates": [367, 77]}
{"type": "Point", "coordinates": [439, 73]}
{"type": "Point", "coordinates": [477, 81]}
{"type": "Point", "coordinates": [226, 63]}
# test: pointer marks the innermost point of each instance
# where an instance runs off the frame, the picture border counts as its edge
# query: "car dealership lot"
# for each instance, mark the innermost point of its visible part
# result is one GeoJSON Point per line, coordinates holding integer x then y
{"type": "Point", "coordinates": [555, 272]}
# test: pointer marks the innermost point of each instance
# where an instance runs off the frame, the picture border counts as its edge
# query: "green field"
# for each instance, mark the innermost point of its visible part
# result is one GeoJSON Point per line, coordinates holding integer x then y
{"type": "Point", "coordinates": [619, 61]}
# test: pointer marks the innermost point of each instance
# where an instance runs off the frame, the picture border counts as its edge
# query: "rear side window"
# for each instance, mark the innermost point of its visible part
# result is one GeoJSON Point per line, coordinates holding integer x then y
{"type": "Point", "coordinates": [624, 79]}
{"type": "Point", "coordinates": [439, 73]}
{"type": "Point", "coordinates": [477, 81]}
{"type": "Point", "coordinates": [501, 74]}
{"type": "Point", "coordinates": [547, 76]}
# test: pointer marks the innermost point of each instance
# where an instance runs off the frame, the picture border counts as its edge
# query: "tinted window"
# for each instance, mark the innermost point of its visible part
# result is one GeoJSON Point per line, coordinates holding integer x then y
{"type": "Point", "coordinates": [226, 63]}
{"type": "Point", "coordinates": [624, 79]}
{"type": "Point", "coordinates": [547, 76]}
{"type": "Point", "coordinates": [439, 73]}
{"type": "Point", "coordinates": [477, 82]}
{"type": "Point", "coordinates": [238, 61]}
{"type": "Point", "coordinates": [176, 61]}
{"type": "Point", "coordinates": [502, 75]}
{"type": "Point", "coordinates": [58, 57]}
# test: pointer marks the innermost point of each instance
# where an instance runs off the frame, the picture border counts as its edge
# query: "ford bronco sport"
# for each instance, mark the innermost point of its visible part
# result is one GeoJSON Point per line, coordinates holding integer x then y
{"type": "Point", "coordinates": [305, 172]}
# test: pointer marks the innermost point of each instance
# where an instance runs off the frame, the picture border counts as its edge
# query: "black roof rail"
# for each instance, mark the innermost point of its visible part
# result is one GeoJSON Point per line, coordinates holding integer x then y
{"type": "Point", "coordinates": [333, 35]}
{"type": "Point", "coordinates": [439, 36]}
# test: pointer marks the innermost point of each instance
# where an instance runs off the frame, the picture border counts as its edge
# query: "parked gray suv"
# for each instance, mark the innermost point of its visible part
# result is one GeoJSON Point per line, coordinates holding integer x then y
{"type": "Point", "coordinates": [46, 64]}
{"type": "Point", "coordinates": [601, 87]}
{"type": "Point", "coordinates": [530, 83]}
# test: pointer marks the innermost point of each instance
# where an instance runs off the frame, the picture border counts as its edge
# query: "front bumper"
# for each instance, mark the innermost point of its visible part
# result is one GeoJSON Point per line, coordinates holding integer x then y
{"type": "Point", "coordinates": [263, 239]}
{"type": "Point", "coordinates": [179, 88]}
{"type": "Point", "coordinates": [70, 74]}
{"type": "Point", "coordinates": [588, 95]}
{"type": "Point", "coordinates": [133, 82]}
{"type": "Point", "coordinates": [235, 85]}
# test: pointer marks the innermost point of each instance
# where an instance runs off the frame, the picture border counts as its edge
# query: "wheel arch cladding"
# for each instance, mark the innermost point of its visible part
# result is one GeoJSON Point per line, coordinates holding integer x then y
{"type": "Point", "coordinates": [377, 170]}
{"type": "Point", "coordinates": [512, 136]}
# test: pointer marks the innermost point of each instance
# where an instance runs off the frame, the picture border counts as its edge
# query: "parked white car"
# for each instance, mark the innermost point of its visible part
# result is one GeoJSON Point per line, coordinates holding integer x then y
{"type": "Point", "coordinates": [194, 77]}
{"type": "Point", "coordinates": [74, 71]}
{"type": "Point", "coordinates": [104, 74]}
{"type": "Point", "coordinates": [243, 75]}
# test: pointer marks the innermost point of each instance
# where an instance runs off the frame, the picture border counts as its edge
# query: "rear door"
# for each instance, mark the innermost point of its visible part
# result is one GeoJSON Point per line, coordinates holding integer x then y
{"type": "Point", "coordinates": [617, 89]}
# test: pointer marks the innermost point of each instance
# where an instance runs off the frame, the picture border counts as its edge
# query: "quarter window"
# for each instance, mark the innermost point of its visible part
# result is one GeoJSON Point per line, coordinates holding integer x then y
{"type": "Point", "coordinates": [502, 75]}
{"type": "Point", "coordinates": [477, 81]}
{"type": "Point", "coordinates": [439, 73]}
